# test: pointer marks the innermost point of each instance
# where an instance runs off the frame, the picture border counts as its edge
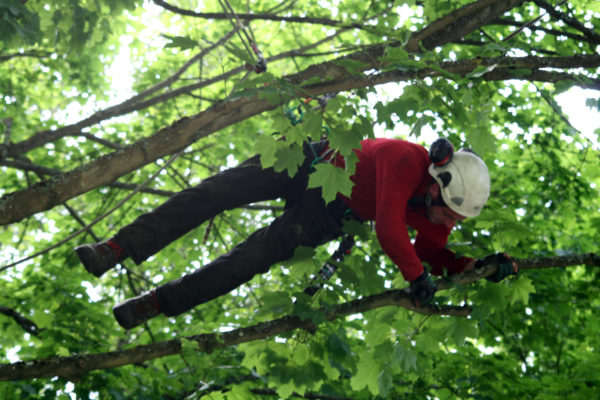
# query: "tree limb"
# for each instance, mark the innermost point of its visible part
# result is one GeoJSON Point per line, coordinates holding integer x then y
{"type": "Point", "coordinates": [459, 23]}
{"type": "Point", "coordinates": [444, 30]}
{"type": "Point", "coordinates": [254, 17]}
{"type": "Point", "coordinates": [74, 367]}
{"type": "Point", "coordinates": [25, 323]}
{"type": "Point", "coordinates": [102, 171]}
{"type": "Point", "coordinates": [137, 103]}
{"type": "Point", "coordinates": [554, 32]}
{"type": "Point", "coordinates": [31, 53]}
{"type": "Point", "coordinates": [129, 105]}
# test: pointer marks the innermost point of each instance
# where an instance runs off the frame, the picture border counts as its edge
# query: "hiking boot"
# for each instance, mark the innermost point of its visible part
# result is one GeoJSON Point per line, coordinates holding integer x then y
{"type": "Point", "coordinates": [136, 311]}
{"type": "Point", "coordinates": [97, 258]}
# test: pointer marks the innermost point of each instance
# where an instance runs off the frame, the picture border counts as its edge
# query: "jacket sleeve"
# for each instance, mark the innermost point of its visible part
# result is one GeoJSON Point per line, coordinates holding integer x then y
{"type": "Point", "coordinates": [399, 171]}
{"type": "Point", "coordinates": [430, 247]}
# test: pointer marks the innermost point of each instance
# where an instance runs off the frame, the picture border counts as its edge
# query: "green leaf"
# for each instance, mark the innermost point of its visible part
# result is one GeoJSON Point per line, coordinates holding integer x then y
{"type": "Point", "coordinates": [267, 146]}
{"type": "Point", "coordinates": [406, 357]}
{"type": "Point", "coordinates": [367, 373]}
{"type": "Point", "coordinates": [521, 288]}
{"type": "Point", "coordinates": [385, 382]}
{"type": "Point", "coordinates": [276, 302]}
{"type": "Point", "coordinates": [351, 66]}
{"type": "Point", "coordinates": [189, 346]}
{"type": "Point", "coordinates": [377, 334]}
{"type": "Point", "coordinates": [301, 353]}
{"type": "Point", "coordinates": [288, 158]}
{"type": "Point", "coordinates": [303, 263]}
{"type": "Point", "coordinates": [312, 124]}
{"type": "Point", "coordinates": [346, 140]}
{"type": "Point", "coordinates": [481, 141]}
{"type": "Point", "coordinates": [494, 295]}
{"type": "Point", "coordinates": [593, 103]}
{"type": "Point", "coordinates": [180, 42]}
{"type": "Point", "coordinates": [272, 96]}
{"type": "Point", "coordinates": [238, 392]}
{"type": "Point", "coordinates": [459, 329]}
{"type": "Point", "coordinates": [332, 180]}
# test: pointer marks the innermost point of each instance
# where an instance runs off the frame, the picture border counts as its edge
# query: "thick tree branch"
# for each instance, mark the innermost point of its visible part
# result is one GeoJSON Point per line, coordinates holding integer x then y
{"type": "Point", "coordinates": [459, 23]}
{"type": "Point", "coordinates": [137, 103]}
{"type": "Point", "coordinates": [41, 171]}
{"type": "Point", "coordinates": [449, 28]}
{"type": "Point", "coordinates": [76, 366]}
{"type": "Point", "coordinates": [43, 196]}
{"type": "Point", "coordinates": [589, 259]}
{"type": "Point", "coordinates": [132, 104]}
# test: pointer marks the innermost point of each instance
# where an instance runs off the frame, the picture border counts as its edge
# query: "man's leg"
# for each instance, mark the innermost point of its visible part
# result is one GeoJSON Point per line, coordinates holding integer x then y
{"type": "Point", "coordinates": [152, 231]}
{"type": "Point", "coordinates": [307, 222]}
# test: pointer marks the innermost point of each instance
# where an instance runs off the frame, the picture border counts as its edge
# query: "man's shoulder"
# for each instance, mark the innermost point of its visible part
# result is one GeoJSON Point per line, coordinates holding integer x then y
{"type": "Point", "coordinates": [396, 148]}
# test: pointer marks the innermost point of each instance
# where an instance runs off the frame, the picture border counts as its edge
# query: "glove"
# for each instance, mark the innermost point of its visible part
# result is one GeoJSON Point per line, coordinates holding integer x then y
{"type": "Point", "coordinates": [505, 267]}
{"type": "Point", "coordinates": [422, 289]}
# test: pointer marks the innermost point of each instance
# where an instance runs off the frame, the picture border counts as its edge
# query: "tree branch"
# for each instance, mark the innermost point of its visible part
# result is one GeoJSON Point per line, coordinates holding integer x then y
{"type": "Point", "coordinates": [76, 366]}
{"type": "Point", "coordinates": [31, 53]}
{"type": "Point", "coordinates": [254, 17]}
{"type": "Point", "coordinates": [451, 27]}
{"type": "Point", "coordinates": [516, 24]}
{"type": "Point", "coordinates": [459, 23]}
{"type": "Point", "coordinates": [41, 171]}
{"type": "Point", "coordinates": [102, 171]}
{"type": "Point", "coordinates": [27, 325]}
{"type": "Point", "coordinates": [137, 103]}
{"type": "Point", "coordinates": [572, 22]}
{"type": "Point", "coordinates": [132, 104]}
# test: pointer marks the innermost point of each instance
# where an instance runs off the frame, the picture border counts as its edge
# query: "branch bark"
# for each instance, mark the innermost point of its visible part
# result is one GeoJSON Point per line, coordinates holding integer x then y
{"type": "Point", "coordinates": [140, 102]}
{"type": "Point", "coordinates": [459, 23]}
{"type": "Point", "coordinates": [260, 17]}
{"type": "Point", "coordinates": [74, 367]}
{"type": "Point", "coordinates": [25, 323]}
{"type": "Point", "coordinates": [103, 171]}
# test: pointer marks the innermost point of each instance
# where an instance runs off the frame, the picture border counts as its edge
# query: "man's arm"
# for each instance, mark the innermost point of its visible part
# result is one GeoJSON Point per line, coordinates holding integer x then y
{"type": "Point", "coordinates": [400, 171]}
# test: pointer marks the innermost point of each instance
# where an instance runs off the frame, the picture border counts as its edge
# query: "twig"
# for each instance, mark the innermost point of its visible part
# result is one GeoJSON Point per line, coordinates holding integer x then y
{"type": "Point", "coordinates": [27, 325]}
{"type": "Point", "coordinates": [266, 17]}
{"type": "Point", "coordinates": [527, 24]}
{"type": "Point", "coordinates": [572, 22]}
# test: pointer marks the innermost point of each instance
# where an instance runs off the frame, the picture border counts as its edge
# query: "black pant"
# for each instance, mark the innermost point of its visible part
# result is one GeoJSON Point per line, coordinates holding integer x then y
{"type": "Point", "coordinates": [306, 221]}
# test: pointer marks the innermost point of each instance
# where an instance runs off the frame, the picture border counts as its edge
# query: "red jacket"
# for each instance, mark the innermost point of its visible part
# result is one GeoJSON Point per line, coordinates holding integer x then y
{"type": "Point", "coordinates": [389, 173]}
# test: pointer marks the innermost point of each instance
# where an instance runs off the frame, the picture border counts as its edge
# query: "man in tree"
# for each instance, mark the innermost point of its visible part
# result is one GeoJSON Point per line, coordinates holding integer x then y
{"type": "Point", "coordinates": [396, 184]}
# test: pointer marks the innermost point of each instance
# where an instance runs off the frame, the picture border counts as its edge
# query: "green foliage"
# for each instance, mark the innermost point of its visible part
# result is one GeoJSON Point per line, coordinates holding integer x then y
{"type": "Point", "coordinates": [532, 336]}
{"type": "Point", "coordinates": [332, 180]}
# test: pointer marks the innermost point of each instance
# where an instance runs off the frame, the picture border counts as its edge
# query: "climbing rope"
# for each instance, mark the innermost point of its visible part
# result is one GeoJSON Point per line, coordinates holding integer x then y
{"type": "Point", "coordinates": [249, 41]}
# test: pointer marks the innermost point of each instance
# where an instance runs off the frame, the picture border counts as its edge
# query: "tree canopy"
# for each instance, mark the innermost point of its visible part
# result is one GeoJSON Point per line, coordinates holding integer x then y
{"type": "Point", "coordinates": [107, 108]}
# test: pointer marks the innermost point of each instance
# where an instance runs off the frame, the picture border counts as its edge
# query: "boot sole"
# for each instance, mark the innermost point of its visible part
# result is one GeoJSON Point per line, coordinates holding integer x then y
{"type": "Point", "coordinates": [89, 259]}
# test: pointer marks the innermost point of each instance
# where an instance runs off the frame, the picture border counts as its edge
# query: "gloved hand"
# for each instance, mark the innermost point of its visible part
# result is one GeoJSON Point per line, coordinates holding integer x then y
{"type": "Point", "coordinates": [505, 266]}
{"type": "Point", "coordinates": [422, 289]}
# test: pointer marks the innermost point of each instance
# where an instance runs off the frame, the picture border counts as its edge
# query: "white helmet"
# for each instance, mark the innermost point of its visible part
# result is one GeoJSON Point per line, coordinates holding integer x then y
{"type": "Point", "coordinates": [464, 183]}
